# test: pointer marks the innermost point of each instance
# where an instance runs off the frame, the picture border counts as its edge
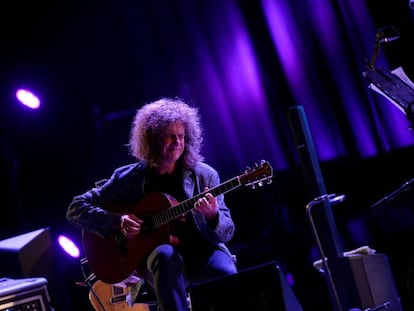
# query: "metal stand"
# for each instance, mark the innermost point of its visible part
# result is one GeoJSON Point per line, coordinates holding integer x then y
{"type": "Point", "coordinates": [324, 199]}
{"type": "Point", "coordinates": [330, 246]}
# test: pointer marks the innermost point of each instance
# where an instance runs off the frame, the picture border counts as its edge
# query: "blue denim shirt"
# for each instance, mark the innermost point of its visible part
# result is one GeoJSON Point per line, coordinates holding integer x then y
{"type": "Point", "coordinates": [126, 185]}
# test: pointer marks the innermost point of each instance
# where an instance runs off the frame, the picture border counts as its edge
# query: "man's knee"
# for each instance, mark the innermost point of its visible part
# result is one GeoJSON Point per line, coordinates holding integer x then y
{"type": "Point", "coordinates": [164, 254]}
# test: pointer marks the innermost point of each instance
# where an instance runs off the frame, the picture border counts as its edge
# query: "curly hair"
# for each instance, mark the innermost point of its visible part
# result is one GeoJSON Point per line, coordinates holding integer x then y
{"type": "Point", "coordinates": [150, 123]}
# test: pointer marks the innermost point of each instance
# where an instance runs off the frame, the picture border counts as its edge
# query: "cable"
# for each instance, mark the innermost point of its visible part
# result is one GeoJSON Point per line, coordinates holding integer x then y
{"type": "Point", "coordinates": [88, 282]}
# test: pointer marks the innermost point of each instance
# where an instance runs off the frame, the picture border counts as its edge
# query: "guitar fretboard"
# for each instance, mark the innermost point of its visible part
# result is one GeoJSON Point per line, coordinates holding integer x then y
{"type": "Point", "coordinates": [176, 211]}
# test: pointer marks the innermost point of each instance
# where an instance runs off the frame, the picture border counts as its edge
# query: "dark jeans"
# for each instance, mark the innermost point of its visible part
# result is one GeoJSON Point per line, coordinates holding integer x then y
{"type": "Point", "coordinates": [170, 272]}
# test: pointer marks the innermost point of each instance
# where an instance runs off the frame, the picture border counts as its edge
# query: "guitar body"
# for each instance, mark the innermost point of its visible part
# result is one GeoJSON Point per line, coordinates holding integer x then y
{"type": "Point", "coordinates": [113, 298]}
{"type": "Point", "coordinates": [116, 257]}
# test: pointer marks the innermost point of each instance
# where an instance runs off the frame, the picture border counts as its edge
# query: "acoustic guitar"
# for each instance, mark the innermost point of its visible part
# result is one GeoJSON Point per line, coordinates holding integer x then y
{"type": "Point", "coordinates": [115, 257]}
{"type": "Point", "coordinates": [109, 297]}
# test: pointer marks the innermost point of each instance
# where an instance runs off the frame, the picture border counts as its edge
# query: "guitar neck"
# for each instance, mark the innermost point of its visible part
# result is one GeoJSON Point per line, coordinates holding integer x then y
{"type": "Point", "coordinates": [167, 215]}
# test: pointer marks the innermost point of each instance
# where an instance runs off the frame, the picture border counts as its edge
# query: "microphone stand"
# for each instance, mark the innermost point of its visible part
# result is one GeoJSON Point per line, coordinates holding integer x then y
{"type": "Point", "coordinates": [403, 188]}
{"type": "Point", "coordinates": [326, 200]}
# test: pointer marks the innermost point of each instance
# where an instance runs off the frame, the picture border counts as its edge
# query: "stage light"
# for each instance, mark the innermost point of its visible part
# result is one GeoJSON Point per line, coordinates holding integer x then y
{"type": "Point", "coordinates": [69, 246]}
{"type": "Point", "coordinates": [28, 98]}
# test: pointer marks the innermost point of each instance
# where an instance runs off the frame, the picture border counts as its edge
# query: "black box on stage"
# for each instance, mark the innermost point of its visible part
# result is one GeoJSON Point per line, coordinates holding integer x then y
{"type": "Point", "coordinates": [24, 294]}
{"type": "Point", "coordinates": [27, 255]}
{"type": "Point", "coordinates": [372, 280]}
{"type": "Point", "coordinates": [261, 288]}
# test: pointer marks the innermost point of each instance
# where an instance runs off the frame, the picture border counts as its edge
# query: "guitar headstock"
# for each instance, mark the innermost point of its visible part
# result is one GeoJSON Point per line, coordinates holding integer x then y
{"type": "Point", "coordinates": [257, 175]}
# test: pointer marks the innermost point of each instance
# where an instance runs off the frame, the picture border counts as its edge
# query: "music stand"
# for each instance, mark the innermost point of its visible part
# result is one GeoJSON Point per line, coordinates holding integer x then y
{"type": "Point", "coordinates": [395, 86]}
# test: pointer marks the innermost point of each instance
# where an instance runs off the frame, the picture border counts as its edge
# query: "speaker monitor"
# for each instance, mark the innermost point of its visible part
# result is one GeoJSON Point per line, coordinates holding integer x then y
{"type": "Point", "coordinates": [261, 288]}
{"type": "Point", "coordinates": [26, 255]}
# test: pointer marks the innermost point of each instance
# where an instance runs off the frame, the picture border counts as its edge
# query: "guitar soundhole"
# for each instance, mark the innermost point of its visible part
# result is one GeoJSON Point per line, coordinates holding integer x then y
{"type": "Point", "coordinates": [148, 225]}
{"type": "Point", "coordinates": [120, 241]}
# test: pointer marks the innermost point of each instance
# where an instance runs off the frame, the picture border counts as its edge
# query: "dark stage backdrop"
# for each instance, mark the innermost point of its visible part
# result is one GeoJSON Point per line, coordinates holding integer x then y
{"type": "Point", "coordinates": [244, 64]}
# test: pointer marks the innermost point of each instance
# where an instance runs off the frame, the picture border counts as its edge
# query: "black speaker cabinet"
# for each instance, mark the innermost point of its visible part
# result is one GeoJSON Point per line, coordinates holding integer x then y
{"type": "Point", "coordinates": [26, 255]}
{"type": "Point", "coordinates": [367, 281]}
{"type": "Point", "coordinates": [24, 294]}
{"type": "Point", "coordinates": [261, 288]}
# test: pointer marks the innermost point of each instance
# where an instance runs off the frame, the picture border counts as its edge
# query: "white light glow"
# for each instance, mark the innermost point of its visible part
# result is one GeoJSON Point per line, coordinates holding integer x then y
{"type": "Point", "coordinates": [68, 246]}
{"type": "Point", "coordinates": [28, 98]}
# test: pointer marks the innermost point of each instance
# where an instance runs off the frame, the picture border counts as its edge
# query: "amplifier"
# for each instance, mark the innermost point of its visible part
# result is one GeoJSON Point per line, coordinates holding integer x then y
{"type": "Point", "coordinates": [28, 294]}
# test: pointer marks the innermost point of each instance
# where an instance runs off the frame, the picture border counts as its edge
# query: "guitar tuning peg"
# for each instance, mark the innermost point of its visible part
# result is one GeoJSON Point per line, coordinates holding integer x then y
{"type": "Point", "coordinates": [253, 186]}
{"type": "Point", "coordinates": [269, 181]}
{"type": "Point", "coordinates": [260, 183]}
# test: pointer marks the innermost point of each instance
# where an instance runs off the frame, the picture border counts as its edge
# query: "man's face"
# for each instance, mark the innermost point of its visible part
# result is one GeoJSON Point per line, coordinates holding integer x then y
{"type": "Point", "coordinates": [172, 143]}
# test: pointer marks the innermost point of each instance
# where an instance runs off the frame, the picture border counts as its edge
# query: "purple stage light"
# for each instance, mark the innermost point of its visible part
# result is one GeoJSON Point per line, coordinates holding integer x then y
{"type": "Point", "coordinates": [69, 246]}
{"type": "Point", "coordinates": [28, 98]}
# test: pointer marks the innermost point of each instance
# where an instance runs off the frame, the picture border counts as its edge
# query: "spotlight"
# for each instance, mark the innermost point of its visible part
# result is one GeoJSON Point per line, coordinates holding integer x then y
{"type": "Point", "coordinates": [28, 98]}
{"type": "Point", "coordinates": [69, 246]}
